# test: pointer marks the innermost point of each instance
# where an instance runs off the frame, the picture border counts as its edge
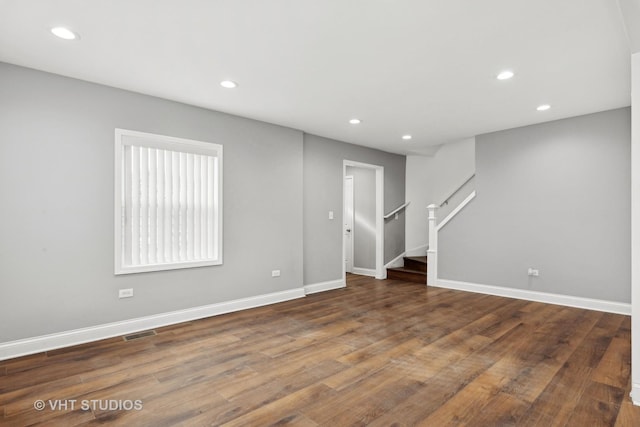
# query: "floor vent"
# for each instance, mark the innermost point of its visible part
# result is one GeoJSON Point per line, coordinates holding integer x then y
{"type": "Point", "coordinates": [139, 335]}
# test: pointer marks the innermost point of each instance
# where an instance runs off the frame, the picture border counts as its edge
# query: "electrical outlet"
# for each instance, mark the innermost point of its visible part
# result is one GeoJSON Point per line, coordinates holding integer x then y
{"type": "Point", "coordinates": [275, 273]}
{"type": "Point", "coordinates": [125, 293]}
{"type": "Point", "coordinates": [533, 272]}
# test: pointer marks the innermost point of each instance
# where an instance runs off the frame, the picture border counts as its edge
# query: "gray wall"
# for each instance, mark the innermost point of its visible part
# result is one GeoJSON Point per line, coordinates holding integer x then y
{"type": "Point", "coordinates": [431, 180]}
{"type": "Point", "coordinates": [323, 168]}
{"type": "Point", "coordinates": [553, 196]}
{"type": "Point", "coordinates": [364, 218]}
{"type": "Point", "coordinates": [56, 188]}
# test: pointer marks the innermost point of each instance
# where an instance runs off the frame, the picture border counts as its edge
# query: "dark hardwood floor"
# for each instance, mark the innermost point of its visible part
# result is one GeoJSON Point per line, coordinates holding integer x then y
{"type": "Point", "coordinates": [376, 353]}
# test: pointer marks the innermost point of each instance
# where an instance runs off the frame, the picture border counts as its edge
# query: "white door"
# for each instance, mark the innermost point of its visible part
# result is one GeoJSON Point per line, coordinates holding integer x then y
{"type": "Point", "coordinates": [348, 224]}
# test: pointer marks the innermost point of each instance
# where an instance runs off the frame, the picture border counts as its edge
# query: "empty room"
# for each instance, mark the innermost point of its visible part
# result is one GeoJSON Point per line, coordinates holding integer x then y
{"type": "Point", "coordinates": [320, 213]}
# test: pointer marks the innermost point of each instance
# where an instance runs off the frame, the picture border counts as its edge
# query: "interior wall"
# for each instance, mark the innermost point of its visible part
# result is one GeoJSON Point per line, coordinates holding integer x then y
{"type": "Point", "coordinates": [419, 193]}
{"type": "Point", "coordinates": [554, 197]}
{"type": "Point", "coordinates": [57, 186]}
{"type": "Point", "coordinates": [430, 180]}
{"type": "Point", "coordinates": [364, 218]}
{"type": "Point", "coordinates": [635, 227]}
{"type": "Point", "coordinates": [630, 14]}
{"type": "Point", "coordinates": [323, 173]}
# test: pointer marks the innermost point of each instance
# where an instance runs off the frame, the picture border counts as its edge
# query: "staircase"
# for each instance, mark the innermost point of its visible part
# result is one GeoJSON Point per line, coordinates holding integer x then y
{"type": "Point", "coordinates": [414, 270]}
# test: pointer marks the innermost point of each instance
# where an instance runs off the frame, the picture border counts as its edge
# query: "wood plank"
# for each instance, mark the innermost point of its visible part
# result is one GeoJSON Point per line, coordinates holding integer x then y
{"type": "Point", "coordinates": [615, 366]}
{"type": "Point", "coordinates": [276, 410]}
{"type": "Point", "coordinates": [382, 398]}
{"type": "Point", "coordinates": [546, 352]}
{"type": "Point", "coordinates": [379, 352]}
{"type": "Point", "coordinates": [628, 415]}
{"type": "Point", "coordinates": [407, 275]}
{"type": "Point", "coordinates": [502, 410]}
{"type": "Point", "coordinates": [370, 365]}
{"type": "Point", "coordinates": [465, 405]}
{"type": "Point", "coordinates": [593, 411]}
{"type": "Point", "coordinates": [557, 402]}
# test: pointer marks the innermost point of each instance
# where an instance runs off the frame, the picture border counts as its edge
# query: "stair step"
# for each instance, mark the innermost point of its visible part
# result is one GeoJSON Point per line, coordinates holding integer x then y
{"type": "Point", "coordinates": [407, 274]}
{"type": "Point", "coordinates": [418, 263]}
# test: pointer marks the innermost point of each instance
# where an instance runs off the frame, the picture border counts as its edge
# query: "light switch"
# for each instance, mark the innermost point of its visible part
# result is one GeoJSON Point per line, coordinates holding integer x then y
{"type": "Point", "coordinates": [330, 214]}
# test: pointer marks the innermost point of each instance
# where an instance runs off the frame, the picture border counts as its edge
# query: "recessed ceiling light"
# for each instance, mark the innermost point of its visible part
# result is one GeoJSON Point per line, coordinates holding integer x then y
{"type": "Point", "coordinates": [355, 121]}
{"type": "Point", "coordinates": [406, 137]}
{"type": "Point", "coordinates": [543, 107]}
{"type": "Point", "coordinates": [64, 33]}
{"type": "Point", "coordinates": [505, 75]}
{"type": "Point", "coordinates": [228, 84]}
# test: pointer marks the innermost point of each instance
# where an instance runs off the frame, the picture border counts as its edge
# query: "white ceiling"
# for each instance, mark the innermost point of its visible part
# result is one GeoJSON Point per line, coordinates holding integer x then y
{"type": "Point", "coordinates": [422, 67]}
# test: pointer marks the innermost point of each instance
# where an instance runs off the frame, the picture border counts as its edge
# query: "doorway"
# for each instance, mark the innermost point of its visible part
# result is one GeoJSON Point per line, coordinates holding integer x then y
{"type": "Point", "coordinates": [363, 232]}
{"type": "Point", "coordinates": [348, 223]}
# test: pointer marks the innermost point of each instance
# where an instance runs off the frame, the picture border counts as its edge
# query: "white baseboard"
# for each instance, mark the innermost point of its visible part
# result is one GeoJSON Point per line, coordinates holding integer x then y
{"type": "Point", "coordinates": [635, 394]}
{"type": "Point", "coordinates": [566, 300]}
{"type": "Point", "coordinates": [324, 286]}
{"type": "Point", "coordinates": [419, 251]}
{"type": "Point", "coordinates": [364, 271]}
{"type": "Point", "coordinates": [396, 262]}
{"type": "Point", "coordinates": [39, 344]}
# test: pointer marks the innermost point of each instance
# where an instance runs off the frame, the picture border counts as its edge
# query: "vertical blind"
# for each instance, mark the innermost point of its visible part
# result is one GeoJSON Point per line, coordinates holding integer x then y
{"type": "Point", "coordinates": [170, 206]}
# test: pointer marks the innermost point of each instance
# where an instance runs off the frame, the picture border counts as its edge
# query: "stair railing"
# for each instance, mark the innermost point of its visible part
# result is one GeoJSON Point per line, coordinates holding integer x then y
{"type": "Point", "coordinates": [435, 227]}
{"type": "Point", "coordinates": [396, 210]}
{"type": "Point", "coordinates": [454, 192]}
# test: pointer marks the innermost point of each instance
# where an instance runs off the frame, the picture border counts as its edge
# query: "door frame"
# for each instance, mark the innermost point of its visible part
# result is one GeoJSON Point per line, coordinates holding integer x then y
{"type": "Point", "coordinates": [348, 250]}
{"type": "Point", "coordinates": [379, 170]}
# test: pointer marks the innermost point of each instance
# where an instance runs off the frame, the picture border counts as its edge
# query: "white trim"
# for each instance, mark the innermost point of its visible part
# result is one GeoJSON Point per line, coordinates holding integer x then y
{"type": "Point", "coordinates": [395, 211]}
{"type": "Point", "coordinates": [314, 288]}
{"type": "Point", "coordinates": [380, 271]}
{"type": "Point", "coordinates": [566, 300]}
{"type": "Point", "coordinates": [345, 219]}
{"type": "Point", "coordinates": [432, 252]}
{"type": "Point", "coordinates": [418, 251]}
{"type": "Point", "coordinates": [365, 271]}
{"type": "Point", "coordinates": [9, 350]}
{"type": "Point", "coordinates": [635, 394]}
{"type": "Point", "coordinates": [635, 225]}
{"type": "Point", "coordinates": [396, 261]}
{"type": "Point", "coordinates": [454, 212]}
{"type": "Point", "coordinates": [124, 137]}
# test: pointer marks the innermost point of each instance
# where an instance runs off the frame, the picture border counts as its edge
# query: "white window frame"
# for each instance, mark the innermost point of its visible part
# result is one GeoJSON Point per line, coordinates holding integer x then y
{"type": "Point", "coordinates": [125, 138]}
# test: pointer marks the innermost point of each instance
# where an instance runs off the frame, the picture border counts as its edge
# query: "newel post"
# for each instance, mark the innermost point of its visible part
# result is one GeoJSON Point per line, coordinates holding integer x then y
{"type": "Point", "coordinates": [432, 252]}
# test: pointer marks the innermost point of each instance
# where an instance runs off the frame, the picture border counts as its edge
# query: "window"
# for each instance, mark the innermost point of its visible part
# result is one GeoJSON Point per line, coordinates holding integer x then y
{"type": "Point", "coordinates": [168, 203]}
